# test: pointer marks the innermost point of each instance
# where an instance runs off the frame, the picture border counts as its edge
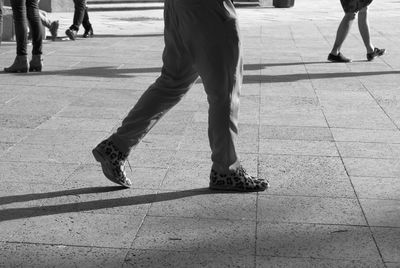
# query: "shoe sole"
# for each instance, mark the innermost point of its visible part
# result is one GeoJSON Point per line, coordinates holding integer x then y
{"type": "Point", "coordinates": [378, 55]}
{"type": "Point", "coordinates": [70, 36]}
{"type": "Point", "coordinates": [35, 69]}
{"type": "Point", "coordinates": [104, 166]}
{"type": "Point", "coordinates": [339, 61]}
{"type": "Point", "coordinates": [16, 71]}
{"type": "Point", "coordinates": [224, 188]}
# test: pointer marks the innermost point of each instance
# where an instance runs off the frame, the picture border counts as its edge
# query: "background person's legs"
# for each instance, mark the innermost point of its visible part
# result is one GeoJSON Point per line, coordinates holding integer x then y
{"type": "Point", "coordinates": [19, 15]}
{"type": "Point", "coordinates": [35, 23]}
{"type": "Point", "coordinates": [343, 31]}
{"type": "Point", "coordinates": [363, 26]}
{"type": "Point", "coordinates": [79, 14]}
{"type": "Point", "coordinates": [20, 23]}
{"type": "Point", "coordinates": [177, 77]}
{"type": "Point", "coordinates": [1, 20]}
{"type": "Point", "coordinates": [87, 25]}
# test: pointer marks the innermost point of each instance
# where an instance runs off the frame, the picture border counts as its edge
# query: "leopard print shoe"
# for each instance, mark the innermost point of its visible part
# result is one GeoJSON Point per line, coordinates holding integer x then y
{"type": "Point", "coordinates": [112, 162]}
{"type": "Point", "coordinates": [238, 180]}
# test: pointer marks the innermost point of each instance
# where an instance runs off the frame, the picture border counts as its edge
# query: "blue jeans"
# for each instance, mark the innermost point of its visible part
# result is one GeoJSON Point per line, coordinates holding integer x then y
{"type": "Point", "coordinates": [24, 11]}
{"type": "Point", "coordinates": [201, 39]}
{"type": "Point", "coordinates": [81, 16]}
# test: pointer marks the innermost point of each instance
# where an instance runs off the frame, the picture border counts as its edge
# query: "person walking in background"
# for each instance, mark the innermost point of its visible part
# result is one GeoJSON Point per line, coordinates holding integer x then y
{"type": "Point", "coordinates": [26, 11]}
{"type": "Point", "coordinates": [81, 17]}
{"type": "Point", "coordinates": [351, 8]}
{"type": "Point", "coordinates": [201, 38]}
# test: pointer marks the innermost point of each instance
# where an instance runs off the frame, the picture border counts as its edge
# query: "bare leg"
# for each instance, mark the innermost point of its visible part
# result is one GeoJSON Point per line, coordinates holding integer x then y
{"type": "Point", "coordinates": [342, 32]}
{"type": "Point", "coordinates": [363, 26]}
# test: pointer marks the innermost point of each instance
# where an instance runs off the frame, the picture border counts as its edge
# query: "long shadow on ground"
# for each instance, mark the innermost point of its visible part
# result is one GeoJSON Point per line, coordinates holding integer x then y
{"type": "Point", "coordinates": [113, 72]}
{"type": "Point", "coordinates": [28, 212]}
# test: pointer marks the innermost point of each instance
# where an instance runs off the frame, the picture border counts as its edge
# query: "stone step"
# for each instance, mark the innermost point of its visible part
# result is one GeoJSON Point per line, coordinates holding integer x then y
{"type": "Point", "coordinates": [123, 5]}
{"type": "Point", "coordinates": [118, 5]}
{"type": "Point", "coordinates": [122, 1]}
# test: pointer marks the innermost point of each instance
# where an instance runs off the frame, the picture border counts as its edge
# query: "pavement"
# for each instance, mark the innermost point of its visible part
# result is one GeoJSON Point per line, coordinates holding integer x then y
{"type": "Point", "coordinates": [326, 135]}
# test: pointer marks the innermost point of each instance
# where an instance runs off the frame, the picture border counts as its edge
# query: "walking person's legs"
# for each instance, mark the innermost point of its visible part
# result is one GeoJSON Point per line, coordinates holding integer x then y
{"type": "Point", "coordinates": [87, 25]}
{"type": "Point", "coordinates": [177, 77]}
{"type": "Point", "coordinates": [363, 26]}
{"type": "Point", "coordinates": [341, 34]}
{"type": "Point", "coordinates": [204, 35]}
{"type": "Point", "coordinates": [213, 40]}
{"type": "Point", "coordinates": [211, 33]}
{"type": "Point", "coordinates": [79, 14]}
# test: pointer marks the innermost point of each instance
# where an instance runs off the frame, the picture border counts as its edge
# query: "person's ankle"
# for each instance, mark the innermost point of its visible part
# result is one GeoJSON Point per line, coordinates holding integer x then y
{"type": "Point", "coordinates": [370, 50]}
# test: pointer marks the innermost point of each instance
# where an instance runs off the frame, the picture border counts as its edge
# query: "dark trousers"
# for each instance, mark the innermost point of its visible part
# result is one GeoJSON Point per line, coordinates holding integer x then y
{"type": "Point", "coordinates": [201, 39]}
{"type": "Point", "coordinates": [81, 16]}
{"type": "Point", "coordinates": [25, 11]}
{"type": "Point", "coordinates": [1, 20]}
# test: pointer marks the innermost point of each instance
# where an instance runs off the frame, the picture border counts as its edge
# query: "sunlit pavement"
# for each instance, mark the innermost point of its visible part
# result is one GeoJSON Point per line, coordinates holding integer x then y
{"type": "Point", "coordinates": [326, 135]}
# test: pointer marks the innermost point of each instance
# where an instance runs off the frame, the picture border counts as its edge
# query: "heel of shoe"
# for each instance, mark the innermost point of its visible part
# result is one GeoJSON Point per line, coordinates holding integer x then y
{"type": "Point", "coordinates": [88, 33]}
{"type": "Point", "coordinates": [71, 34]}
{"type": "Point", "coordinates": [35, 69]}
{"type": "Point", "coordinates": [36, 64]}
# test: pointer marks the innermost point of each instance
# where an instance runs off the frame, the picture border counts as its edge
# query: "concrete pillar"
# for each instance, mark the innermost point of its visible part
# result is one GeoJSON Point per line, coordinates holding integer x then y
{"type": "Point", "coordinates": [8, 24]}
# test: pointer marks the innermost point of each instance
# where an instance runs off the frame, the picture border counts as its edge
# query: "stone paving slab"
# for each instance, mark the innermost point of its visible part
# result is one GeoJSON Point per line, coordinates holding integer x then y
{"type": "Point", "coordinates": [325, 135]}
{"type": "Point", "coordinates": [316, 241]}
{"type": "Point", "coordinates": [164, 258]}
{"type": "Point", "coordinates": [197, 234]}
{"type": "Point", "coordinates": [19, 255]}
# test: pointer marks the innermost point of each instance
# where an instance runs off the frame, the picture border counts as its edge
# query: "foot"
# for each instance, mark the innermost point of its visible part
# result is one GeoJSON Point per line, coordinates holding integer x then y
{"type": "Point", "coordinates": [238, 180]}
{"type": "Point", "coordinates": [71, 34]}
{"type": "Point", "coordinates": [338, 58]}
{"type": "Point", "coordinates": [376, 53]}
{"type": "Point", "coordinates": [36, 64]}
{"type": "Point", "coordinates": [54, 29]}
{"type": "Point", "coordinates": [20, 65]}
{"type": "Point", "coordinates": [88, 33]}
{"type": "Point", "coordinates": [112, 162]}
